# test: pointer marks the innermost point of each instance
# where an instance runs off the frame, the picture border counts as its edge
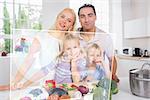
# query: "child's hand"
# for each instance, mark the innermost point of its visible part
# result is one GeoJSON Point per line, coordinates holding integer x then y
{"type": "Point", "coordinates": [76, 53]}
{"type": "Point", "coordinates": [46, 87]}
{"type": "Point", "coordinates": [89, 78]}
{"type": "Point", "coordinates": [98, 60]}
{"type": "Point", "coordinates": [53, 97]}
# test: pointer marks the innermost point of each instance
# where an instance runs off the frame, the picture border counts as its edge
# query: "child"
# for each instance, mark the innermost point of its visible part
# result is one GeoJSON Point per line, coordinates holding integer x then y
{"type": "Point", "coordinates": [96, 67]}
{"type": "Point", "coordinates": [69, 65]}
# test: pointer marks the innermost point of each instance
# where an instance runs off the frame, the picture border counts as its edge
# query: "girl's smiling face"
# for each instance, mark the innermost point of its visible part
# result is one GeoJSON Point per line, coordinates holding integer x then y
{"type": "Point", "coordinates": [71, 48]}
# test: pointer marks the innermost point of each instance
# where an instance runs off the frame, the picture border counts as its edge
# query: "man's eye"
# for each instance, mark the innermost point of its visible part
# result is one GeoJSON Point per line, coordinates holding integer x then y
{"type": "Point", "coordinates": [82, 16]}
{"type": "Point", "coordinates": [90, 15]}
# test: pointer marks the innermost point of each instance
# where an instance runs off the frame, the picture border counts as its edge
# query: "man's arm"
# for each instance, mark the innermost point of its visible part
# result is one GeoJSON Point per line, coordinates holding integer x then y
{"type": "Point", "coordinates": [114, 69]}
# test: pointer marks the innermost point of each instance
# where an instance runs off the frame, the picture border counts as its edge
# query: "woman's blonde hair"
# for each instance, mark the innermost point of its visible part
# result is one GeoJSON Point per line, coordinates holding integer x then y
{"type": "Point", "coordinates": [73, 13]}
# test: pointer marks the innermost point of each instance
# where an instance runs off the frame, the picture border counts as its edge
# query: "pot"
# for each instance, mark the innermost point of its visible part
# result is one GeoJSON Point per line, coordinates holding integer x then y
{"type": "Point", "coordinates": [140, 81]}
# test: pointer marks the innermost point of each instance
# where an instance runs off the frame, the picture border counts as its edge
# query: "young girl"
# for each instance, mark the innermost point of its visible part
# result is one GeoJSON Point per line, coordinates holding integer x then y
{"type": "Point", "coordinates": [96, 67]}
{"type": "Point", "coordinates": [70, 65]}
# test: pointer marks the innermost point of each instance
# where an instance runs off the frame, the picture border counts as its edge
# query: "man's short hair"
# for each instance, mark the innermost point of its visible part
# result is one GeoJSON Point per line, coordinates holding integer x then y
{"type": "Point", "coordinates": [87, 5]}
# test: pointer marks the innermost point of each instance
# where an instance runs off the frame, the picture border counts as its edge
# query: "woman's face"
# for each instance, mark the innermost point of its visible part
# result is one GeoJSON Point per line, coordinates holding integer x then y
{"type": "Point", "coordinates": [71, 48]}
{"type": "Point", "coordinates": [93, 55]}
{"type": "Point", "coordinates": [65, 21]}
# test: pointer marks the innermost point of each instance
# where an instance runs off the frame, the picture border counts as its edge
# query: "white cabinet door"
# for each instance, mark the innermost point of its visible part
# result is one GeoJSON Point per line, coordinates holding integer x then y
{"type": "Point", "coordinates": [136, 28]}
{"type": "Point", "coordinates": [125, 65]}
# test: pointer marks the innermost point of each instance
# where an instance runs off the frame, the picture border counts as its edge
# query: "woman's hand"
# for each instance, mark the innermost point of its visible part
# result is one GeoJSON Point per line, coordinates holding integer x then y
{"type": "Point", "coordinates": [4, 87]}
{"type": "Point", "coordinates": [16, 86]}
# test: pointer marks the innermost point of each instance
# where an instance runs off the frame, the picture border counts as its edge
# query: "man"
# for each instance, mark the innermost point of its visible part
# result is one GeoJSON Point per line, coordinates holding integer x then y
{"type": "Point", "coordinates": [87, 18]}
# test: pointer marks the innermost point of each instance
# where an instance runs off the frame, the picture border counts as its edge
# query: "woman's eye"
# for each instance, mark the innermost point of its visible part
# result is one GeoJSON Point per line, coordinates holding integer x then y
{"type": "Point", "coordinates": [62, 16]}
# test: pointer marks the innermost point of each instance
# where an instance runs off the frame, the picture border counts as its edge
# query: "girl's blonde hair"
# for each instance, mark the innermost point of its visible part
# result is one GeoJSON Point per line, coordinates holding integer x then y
{"type": "Point", "coordinates": [95, 46]}
{"type": "Point", "coordinates": [73, 13]}
{"type": "Point", "coordinates": [68, 37]}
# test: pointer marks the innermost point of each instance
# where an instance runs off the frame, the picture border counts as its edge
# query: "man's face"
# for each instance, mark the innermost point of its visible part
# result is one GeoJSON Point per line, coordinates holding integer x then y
{"type": "Point", "coordinates": [87, 18]}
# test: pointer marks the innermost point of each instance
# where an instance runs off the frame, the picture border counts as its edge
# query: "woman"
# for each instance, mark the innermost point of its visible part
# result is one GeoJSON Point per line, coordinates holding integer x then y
{"type": "Point", "coordinates": [48, 45]}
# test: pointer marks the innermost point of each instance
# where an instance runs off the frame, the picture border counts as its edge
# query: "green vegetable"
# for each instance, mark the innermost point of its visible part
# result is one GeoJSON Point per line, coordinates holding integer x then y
{"type": "Point", "coordinates": [50, 85]}
{"type": "Point", "coordinates": [114, 87]}
{"type": "Point", "coordinates": [70, 89]}
{"type": "Point", "coordinates": [65, 85]}
{"type": "Point", "coordinates": [102, 90]}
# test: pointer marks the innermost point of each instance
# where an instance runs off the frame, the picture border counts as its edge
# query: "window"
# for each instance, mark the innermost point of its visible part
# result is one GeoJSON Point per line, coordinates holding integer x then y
{"type": "Point", "coordinates": [18, 14]}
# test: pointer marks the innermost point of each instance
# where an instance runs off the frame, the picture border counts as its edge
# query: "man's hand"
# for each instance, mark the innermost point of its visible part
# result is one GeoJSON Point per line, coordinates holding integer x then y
{"type": "Point", "coordinates": [115, 78]}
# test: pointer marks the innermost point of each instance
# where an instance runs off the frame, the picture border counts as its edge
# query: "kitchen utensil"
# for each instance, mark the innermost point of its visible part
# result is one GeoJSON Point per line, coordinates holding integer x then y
{"type": "Point", "coordinates": [140, 81]}
{"type": "Point", "coordinates": [146, 53]}
{"type": "Point", "coordinates": [137, 52]}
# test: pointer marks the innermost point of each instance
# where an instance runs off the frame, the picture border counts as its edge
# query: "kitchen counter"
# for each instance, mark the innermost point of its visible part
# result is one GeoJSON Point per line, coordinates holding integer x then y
{"type": "Point", "coordinates": [133, 58]}
{"type": "Point", "coordinates": [123, 94]}
{"type": "Point", "coordinates": [124, 91]}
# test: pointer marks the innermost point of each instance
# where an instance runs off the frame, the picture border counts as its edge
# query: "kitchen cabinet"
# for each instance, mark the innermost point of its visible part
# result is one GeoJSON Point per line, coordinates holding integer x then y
{"type": "Point", "coordinates": [125, 64]}
{"type": "Point", "coordinates": [4, 70]}
{"type": "Point", "coordinates": [136, 28]}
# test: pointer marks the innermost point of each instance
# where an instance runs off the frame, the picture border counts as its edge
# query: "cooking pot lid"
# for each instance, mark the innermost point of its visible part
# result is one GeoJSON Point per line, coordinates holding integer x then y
{"type": "Point", "coordinates": [144, 73]}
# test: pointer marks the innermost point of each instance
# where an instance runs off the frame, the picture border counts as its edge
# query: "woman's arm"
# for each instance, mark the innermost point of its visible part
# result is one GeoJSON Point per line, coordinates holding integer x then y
{"type": "Point", "coordinates": [27, 62]}
{"type": "Point", "coordinates": [37, 76]}
{"type": "Point", "coordinates": [4, 87]}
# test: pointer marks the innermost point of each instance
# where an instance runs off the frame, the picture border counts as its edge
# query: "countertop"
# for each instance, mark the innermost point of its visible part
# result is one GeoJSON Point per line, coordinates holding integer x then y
{"type": "Point", "coordinates": [133, 58]}
{"type": "Point", "coordinates": [124, 91]}
{"type": "Point", "coordinates": [123, 94]}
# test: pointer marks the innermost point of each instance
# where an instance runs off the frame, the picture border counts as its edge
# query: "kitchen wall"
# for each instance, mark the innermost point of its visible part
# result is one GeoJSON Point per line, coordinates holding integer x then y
{"type": "Point", "coordinates": [148, 16]}
{"type": "Point", "coordinates": [143, 43]}
{"type": "Point", "coordinates": [116, 23]}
